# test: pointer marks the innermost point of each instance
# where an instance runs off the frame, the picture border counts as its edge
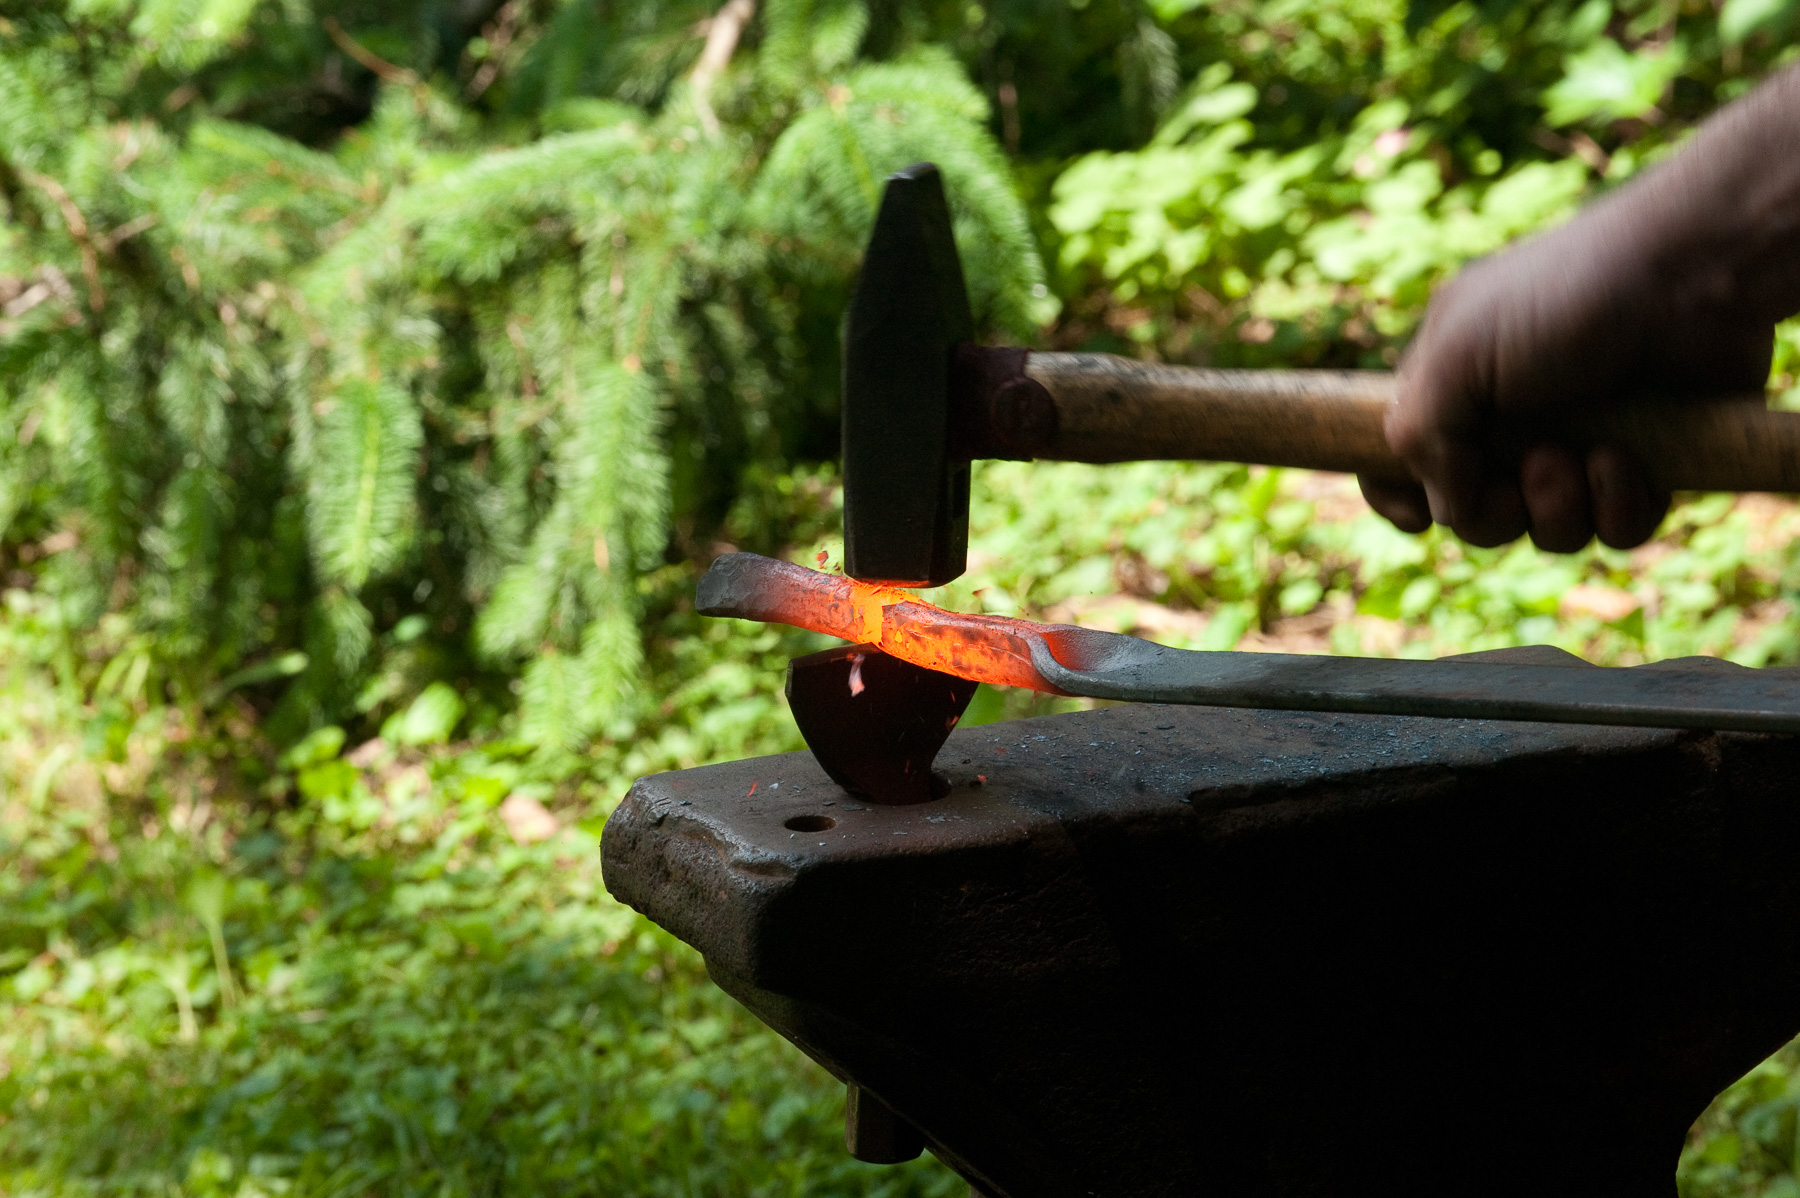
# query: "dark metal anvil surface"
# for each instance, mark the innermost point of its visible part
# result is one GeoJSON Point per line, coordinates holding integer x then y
{"type": "Point", "coordinates": [1188, 951]}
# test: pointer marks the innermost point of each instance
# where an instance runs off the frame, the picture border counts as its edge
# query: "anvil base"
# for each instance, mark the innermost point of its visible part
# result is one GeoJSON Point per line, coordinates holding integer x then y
{"type": "Point", "coordinates": [1184, 951]}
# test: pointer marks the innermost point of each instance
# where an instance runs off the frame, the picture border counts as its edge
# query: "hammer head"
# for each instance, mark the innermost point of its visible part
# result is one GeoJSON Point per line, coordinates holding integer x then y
{"type": "Point", "coordinates": [906, 497]}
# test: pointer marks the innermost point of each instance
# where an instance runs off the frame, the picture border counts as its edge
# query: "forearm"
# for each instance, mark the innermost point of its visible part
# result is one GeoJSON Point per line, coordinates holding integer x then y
{"type": "Point", "coordinates": [1721, 218]}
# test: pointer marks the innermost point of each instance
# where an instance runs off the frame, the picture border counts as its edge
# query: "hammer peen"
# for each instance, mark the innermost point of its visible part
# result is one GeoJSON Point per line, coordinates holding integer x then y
{"type": "Point", "coordinates": [921, 401]}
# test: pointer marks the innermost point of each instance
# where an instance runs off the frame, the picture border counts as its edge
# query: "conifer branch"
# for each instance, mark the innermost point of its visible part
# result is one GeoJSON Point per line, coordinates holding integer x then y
{"type": "Point", "coordinates": [498, 36]}
{"type": "Point", "coordinates": [384, 70]}
{"type": "Point", "coordinates": [78, 229]}
{"type": "Point", "coordinates": [528, 384]}
{"type": "Point", "coordinates": [51, 283]}
{"type": "Point", "coordinates": [570, 305]}
{"type": "Point", "coordinates": [722, 33]}
{"type": "Point", "coordinates": [128, 230]}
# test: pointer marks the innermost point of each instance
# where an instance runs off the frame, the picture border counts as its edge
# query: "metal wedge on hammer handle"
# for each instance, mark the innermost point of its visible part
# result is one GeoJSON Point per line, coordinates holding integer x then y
{"type": "Point", "coordinates": [1106, 408]}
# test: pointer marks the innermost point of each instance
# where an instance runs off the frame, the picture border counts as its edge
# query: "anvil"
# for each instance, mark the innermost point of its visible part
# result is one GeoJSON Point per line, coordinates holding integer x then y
{"type": "Point", "coordinates": [1159, 950]}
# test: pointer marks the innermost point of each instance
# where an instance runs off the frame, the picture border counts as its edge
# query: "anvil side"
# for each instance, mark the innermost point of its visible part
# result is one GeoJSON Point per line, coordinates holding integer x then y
{"type": "Point", "coordinates": [1189, 951]}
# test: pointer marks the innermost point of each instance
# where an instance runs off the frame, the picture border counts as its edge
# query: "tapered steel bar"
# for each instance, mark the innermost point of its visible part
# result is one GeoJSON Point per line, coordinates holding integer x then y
{"type": "Point", "coordinates": [1061, 659]}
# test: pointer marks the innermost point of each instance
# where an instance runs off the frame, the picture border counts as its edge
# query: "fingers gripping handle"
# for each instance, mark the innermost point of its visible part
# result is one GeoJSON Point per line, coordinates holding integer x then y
{"type": "Point", "coordinates": [1112, 409]}
{"type": "Point", "coordinates": [1728, 445]}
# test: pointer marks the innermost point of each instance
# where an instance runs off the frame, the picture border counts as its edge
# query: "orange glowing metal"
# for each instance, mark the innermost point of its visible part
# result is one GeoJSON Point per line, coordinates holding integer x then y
{"type": "Point", "coordinates": [991, 649]}
{"type": "Point", "coordinates": [1105, 665]}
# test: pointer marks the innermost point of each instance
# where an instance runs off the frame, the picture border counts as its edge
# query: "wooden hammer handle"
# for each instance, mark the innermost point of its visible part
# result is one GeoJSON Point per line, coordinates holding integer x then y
{"type": "Point", "coordinates": [1112, 409]}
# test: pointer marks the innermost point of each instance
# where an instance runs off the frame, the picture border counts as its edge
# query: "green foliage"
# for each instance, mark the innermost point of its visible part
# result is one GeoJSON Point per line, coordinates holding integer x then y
{"type": "Point", "coordinates": [428, 719]}
{"type": "Point", "coordinates": [359, 493]}
{"type": "Point", "coordinates": [1337, 242]}
{"type": "Point", "coordinates": [1740, 19]}
{"type": "Point", "coordinates": [369, 985]}
{"type": "Point", "coordinates": [294, 397]}
{"type": "Point", "coordinates": [377, 374]}
{"type": "Point", "coordinates": [1745, 1144]}
{"type": "Point", "coordinates": [1329, 163]}
{"type": "Point", "coordinates": [1217, 557]}
{"type": "Point", "coordinates": [1607, 82]}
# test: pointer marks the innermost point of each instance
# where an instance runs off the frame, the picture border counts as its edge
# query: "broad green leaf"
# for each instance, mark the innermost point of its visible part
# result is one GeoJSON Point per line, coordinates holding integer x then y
{"type": "Point", "coordinates": [1739, 19]}
{"type": "Point", "coordinates": [428, 719]}
{"type": "Point", "coordinates": [1606, 81]}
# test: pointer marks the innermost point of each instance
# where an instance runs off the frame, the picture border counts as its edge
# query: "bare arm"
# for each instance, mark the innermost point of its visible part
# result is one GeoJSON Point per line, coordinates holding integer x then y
{"type": "Point", "coordinates": [1670, 286]}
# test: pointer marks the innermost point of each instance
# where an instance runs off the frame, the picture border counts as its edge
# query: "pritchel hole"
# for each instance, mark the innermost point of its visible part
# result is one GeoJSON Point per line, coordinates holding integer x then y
{"type": "Point", "coordinates": [810, 823]}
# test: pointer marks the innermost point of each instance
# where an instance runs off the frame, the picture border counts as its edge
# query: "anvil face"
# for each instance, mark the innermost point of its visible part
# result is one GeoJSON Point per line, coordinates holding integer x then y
{"type": "Point", "coordinates": [1187, 951]}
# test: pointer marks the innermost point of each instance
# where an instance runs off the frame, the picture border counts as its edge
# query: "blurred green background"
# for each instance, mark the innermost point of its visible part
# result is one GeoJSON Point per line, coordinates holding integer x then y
{"type": "Point", "coordinates": [376, 376]}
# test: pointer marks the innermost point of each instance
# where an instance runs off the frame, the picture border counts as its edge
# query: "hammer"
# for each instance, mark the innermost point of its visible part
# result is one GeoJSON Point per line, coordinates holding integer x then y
{"type": "Point", "coordinates": [921, 401]}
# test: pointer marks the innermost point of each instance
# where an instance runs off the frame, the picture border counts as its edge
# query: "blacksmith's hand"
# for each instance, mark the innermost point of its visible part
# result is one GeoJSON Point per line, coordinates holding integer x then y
{"type": "Point", "coordinates": [1669, 288]}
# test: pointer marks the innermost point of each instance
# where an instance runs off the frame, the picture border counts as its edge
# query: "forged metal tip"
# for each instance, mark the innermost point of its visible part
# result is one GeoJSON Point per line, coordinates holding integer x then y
{"type": "Point", "coordinates": [722, 588]}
